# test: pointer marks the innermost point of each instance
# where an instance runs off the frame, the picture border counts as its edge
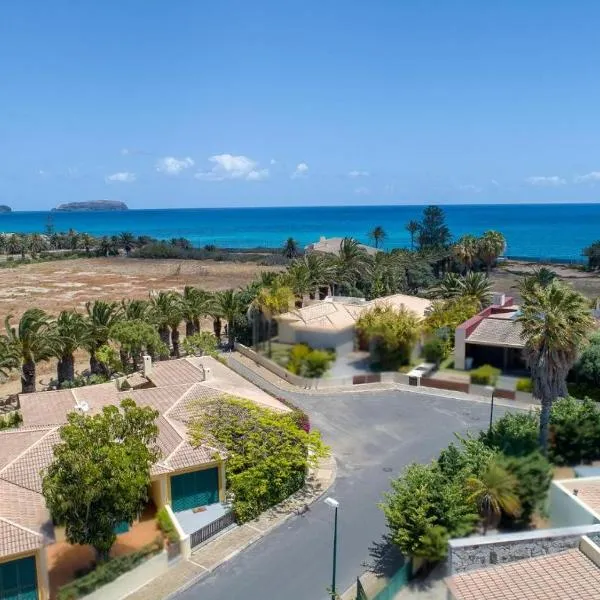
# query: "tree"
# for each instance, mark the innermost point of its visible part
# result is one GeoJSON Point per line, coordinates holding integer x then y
{"type": "Point", "coordinates": [195, 305]}
{"type": "Point", "coordinates": [592, 253]}
{"type": "Point", "coordinates": [514, 434]}
{"type": "Point", "coordinates": [135, 309]}
{"type": "Point", "coordinates": [378, 235]}
{"type": "Point", "coordinates": [412, 227]}
{"type": "Point", "coordinates": [494, 493]}
{"type": "Point", "coordinates": [134, 338]}
{"type": "Point", "coordinates": [466, 251]}
{"type": "Point", "coordinates": [318, 268]}
{"type": "Point", "coordinates": [491, 245]}
{"type": "Point", "coordinates": [433, 231]}
{"type": "Point", "coordinates": [555, 322]}
{"type": "Point", "coordinates": [101, 316]}
{"type": "Point", "coordinates": [290, 248]}
{"type": "Point", "coordinates": [9, 357]}
{"type": "Point", "coordinates": [127, 241]}
{"type": "Point", "coordinates": [73, 333]}
{"type": "Point", "coordinates": [273, 301]}
{"type": "Point", "coordinates": [34, 340]}
{"type": "Point", "coordinates": [201, 343]}
{"type": "Point", "coordinates": [587, 367]}
{"type": "Point", "coordinates": [268, 452]}
{"type": "Point", "coordinates": [350, 265]}
{"type": "Point", "coordinates": [86, 241]}
{"type": "Point", "coordinates": [167, 312]}
{"type": "Point", "coordinates": [298, 279]}
{"type": "Point", "coordinates": [100, 474]}
{"type": "Point", "coordinates": [35, 244]}
{"type": "Point", "coordinates": [228, 305]}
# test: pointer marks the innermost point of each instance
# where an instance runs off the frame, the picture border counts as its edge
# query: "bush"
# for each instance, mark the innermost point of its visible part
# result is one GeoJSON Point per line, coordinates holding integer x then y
{"type": "Point", "coordinates": [525, 385]}
{"type": "Point", "coordinates": [434, 351]}
{"type": "Point", "coordinates": [10, 420]}
{"type": "Point", "coordinates": [108, 571]}
{"type": "Point", "coordinates": [485, 375]}
{"type": "Point", "coordinates": [587, 368]}
{"type": "Point", "coordinates": [307, 362]}
{"type": "Point", "coordinates": [201, 343]}
{"type": "Point", "coordinates": [166, 525]}
{"type": "Point", "coordinates": [584, 390]}
{"type": "Point", "coordinates": [514, 434]}
{"type": "Point", "coordinates": [317, 362]}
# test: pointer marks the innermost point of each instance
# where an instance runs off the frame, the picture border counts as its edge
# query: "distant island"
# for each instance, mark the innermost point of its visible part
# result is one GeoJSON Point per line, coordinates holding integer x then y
{"type": "Point", "coordinates": [91, 206]}
{"type": "Point", "coordinates": [5, 209]}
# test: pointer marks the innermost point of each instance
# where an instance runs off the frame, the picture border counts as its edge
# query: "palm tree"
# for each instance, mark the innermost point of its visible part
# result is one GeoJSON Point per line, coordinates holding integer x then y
{"type": "Point", "coordinates": [36, 244]}
{"type": "Point", "coordinates": [3, 243]}
{"type": "Point", "coordinates": [73, 239]}
{"type": "Point", "coordinates": [351, 264]}
{"type": "Point", "coordinates": [298, 278]}
{"type": "Point", "coordinates": [273, 301]}
{"type": "Point", "coordinates": [196, 304]}
{"type": "Point", "coordinates": [86, 241]}
{"type": "Point", "coordinates": [166, 311]}
{"type": "Point", "coordinates": [494, 493]}
{"type": "Point", "coordinates": [477, 286]}
{"type": "Point", "coordinates": [229, 305]}
{"type": "Point", "coordinates": [73, 332]}
{"type": "Point", "coordinates": [465, 250]}
{"type": "Point", "coordinates": [448, 287]}
{"type": "Point", "coordinates": [101, 316]}
{"type": "Point", "coordinates": [412, 227]}
{"type": "Point", "coordinates": [290, 248]}
{"type": "Point", "coordinates": [377, 235]}
{"type": "Point", "coordinates": [491, 245]}
{"type": "Point", "coordinates": [127, 240]}
{"type": "Point", "coordinates": [555, 324]}
{"type": "Point", "coordinates": [34, 339]}
{"type": "Point", "coordinates": [9, 357]}
{"type": "Point", "coordinates": [135, 310]}
{"type": "Point", "coordinates": [541, 276]}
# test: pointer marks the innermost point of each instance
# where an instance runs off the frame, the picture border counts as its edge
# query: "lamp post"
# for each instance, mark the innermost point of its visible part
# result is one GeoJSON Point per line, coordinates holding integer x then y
{"type": "Point", "coordinates": [335, 505]}
{"type": "Point", "coordinates": [492, 390]}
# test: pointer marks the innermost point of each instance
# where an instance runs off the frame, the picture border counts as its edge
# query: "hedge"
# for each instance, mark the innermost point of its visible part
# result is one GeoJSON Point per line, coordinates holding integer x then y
{"type": "Point", "coordinates": [485, 375]}
{"type": "Point", "coordinates": [108, 571]}
{"type": "Point", "coordinates": [166, 525]}
{"type": "Point", "coordinates": [525, 385]}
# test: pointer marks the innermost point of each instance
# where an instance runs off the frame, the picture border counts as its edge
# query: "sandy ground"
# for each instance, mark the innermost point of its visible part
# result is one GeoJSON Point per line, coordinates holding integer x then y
{"type": "Point", "coordinates": [54, 286]}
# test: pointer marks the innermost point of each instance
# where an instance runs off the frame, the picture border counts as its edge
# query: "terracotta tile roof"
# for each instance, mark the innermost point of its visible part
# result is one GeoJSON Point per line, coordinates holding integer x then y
{"type": "Point", "coordinates": [188, 456]}
{"type": "Point", "coordinates": [14, 442]}
{"type": "Point", "coordinates": [588, 491]}
{"type": "Point", "coordinates": [46, 408]}
{"type": "Point", "coordinates": [174, 372]}
{"type": "Point", "coordinates": [566, 575]}
{"type": "Point", "coordinates": [497, 332]}
{"type": "Point", "coordinates": [160, 399]}
{"type": "Point", "coordinates": [23, 507]}
{"type": "Point", "coordinates": [14, 539]}
{"type": "Point", "coordinates": [168, 438]}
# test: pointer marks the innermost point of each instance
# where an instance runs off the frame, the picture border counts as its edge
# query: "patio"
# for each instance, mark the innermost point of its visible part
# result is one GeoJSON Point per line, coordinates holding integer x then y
{"type": "Point", "coordinates": [194, 519]}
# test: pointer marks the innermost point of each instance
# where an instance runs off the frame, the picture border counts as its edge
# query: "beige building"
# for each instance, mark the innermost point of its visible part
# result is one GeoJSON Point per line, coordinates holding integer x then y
{"type": "Point", "coordinates": [331, 323]}
{"type": "Point", "coordinates": [184, 478]}
{"type": "Point", "coordinates": [332, 246]}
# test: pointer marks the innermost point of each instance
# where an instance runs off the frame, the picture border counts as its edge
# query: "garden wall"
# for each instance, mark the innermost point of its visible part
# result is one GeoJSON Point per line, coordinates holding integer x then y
{"type": "Point", "coordinates": [271, 366]}
{"type": "Point", "coordinates": [466, 554]}
{"type": "Point", "coordinates": [565, 509]}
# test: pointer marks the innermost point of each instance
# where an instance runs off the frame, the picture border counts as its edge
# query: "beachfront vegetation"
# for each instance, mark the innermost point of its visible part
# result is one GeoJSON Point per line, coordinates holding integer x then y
{"type": "Point", "coordinates": [100, 474]}
{"type": "Point", "coordinates": [268, 452]}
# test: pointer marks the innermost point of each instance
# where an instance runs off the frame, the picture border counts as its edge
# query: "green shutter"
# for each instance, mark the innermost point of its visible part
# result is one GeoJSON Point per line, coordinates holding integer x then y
{"type": "Point", "coordinates": [194, 489]}
{"type": "Point", "coordinates": [18, 579]}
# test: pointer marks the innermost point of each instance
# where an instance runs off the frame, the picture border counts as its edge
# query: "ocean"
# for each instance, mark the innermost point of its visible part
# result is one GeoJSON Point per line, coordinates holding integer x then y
{"type": "Point", "coordinates": [557, 231]}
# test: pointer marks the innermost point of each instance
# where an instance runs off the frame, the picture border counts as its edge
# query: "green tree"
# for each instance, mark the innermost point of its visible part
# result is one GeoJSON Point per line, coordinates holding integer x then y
{"type": "Point", "coordinates": [494, 493]}
{"type": "Point", "coordinates": [268, 452]}
{"type": "Point", "coordinates": [201, 343]}
{"type": "Point", "coordinates": [491, 246]}
{"type": "Point", "coordinates": [555, 324]}
{"type": "Point", "coordinates": [541, 277]}
{"type": "Point", "coordinates": [350, 265]}
{"type": "Point", "coordinates": [134, 338]}
{"type": "Point", "coordinates": [9, 357]}
{"type": "Point", "coordinates": [166, 310]}
{"type": "Point", "coordinates": [230, 306]}
{"type": "Point", "coordinates": [34, 339]}
{"type": "Point", "coordinates": [413, 228]}
{"type": "Point", "coordinates": [514, 434]}
{"type": "Point", "coordinates": [273, 301]}
{"type": "Point", "coordinates": [35, 244]}
{"type": "Point", "coordinates": [100, 474]}
{"type": "Point", "coordinates": [135, 309]}
{"type": "Point", "coordinates": [101, 316]}
{"type": "Point", "coordinates": [466, 251]}
{"type": "Point", "coordinates": [378, 235]}
{"type": "Point", "coordinates": [73, 333]}
{"type": "Point", "coordinates": [290, 248]}
{"type": "Point", "coordinates": [87, 241]}
{"type": "Point", "coordinates": [298, 279]}
{"type": "Point", "coordinates": [196, 304]}
{"type": "Point", "coordinates": [127, 241]}
{"type": "Point", "coordinates": [592, 252]}
{"type": "Point", "coordinates": [433, 231]}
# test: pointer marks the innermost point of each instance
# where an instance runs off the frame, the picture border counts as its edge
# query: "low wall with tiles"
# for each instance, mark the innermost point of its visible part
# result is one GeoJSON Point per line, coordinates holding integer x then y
{"type": "Point", "coordinates": [467, 554]}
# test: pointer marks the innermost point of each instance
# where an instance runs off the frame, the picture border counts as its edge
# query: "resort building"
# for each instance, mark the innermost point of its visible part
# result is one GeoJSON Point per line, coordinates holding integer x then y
{"type": "Point", "coordinates": [332, 246]}
{"type": "Point", "coordinates": [492, 336]}
{"type": "Point", "coordinates": [331, 323]}
{"type": "Point", "coordinates": [185, 477]}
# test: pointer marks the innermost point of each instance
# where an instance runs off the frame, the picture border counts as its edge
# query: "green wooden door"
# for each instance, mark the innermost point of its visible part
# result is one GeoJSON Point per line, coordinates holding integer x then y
{"type": "Point", "coordinates": [18, 580]}
{"type": "Point", "coordinates": [194, 489]}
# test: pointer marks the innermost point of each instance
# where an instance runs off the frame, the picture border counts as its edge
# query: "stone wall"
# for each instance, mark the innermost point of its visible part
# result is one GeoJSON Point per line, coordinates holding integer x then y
{"type": "Point", "coordinates": [466, 554]}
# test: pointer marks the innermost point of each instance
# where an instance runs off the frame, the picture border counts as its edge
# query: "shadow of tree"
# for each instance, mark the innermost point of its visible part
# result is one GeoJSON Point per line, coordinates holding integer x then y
{"type": "Point", "coordinates": [386, 559]}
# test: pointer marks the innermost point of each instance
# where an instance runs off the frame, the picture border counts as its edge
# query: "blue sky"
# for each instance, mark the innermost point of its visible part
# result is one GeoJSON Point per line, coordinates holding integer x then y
{"type": "Point", "coordinates": [190, 103]}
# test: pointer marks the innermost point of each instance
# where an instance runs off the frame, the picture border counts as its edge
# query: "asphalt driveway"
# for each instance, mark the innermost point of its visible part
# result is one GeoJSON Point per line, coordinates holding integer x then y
{"type": "Point", "coordinates": [373, 436]}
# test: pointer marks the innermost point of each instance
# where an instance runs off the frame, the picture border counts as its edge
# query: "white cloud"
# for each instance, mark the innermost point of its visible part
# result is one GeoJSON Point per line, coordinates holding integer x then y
{"type": "Point", "coordinates": [228, 166]}
{"type": "Point", "coordinates": [301, 171]}
{"type": "Point", "coordinates": [173, 166]}
{"type": "Point", "coordinates": [362, 191]}
{"type": "Point", "coordinates": [355, 174]}
{"type": "Point", "coordinates": [494, 182]}
{"type": "Point", "coordinates": [125, 151]}
{"type": "Point", "coordinates": [273, 161]}
{"type": "Point", "coordinates": [589, 178]}
{"type": "Point", "coordinates": [43, 173]}
{"type": "Point", "coordinates": [470, 188]}
{"type": "Point", "coordinates": [123, 177]}
{"type": "Point", "coordinates": [72, 172]}
{"type": "Point", "coordinates": [551, 181]}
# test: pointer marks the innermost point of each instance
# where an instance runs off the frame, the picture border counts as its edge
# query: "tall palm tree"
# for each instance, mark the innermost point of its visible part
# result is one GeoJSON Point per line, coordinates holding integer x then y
{"type": "Point", "coordinates": [555, 321]}
{"type": "Point", "coordinates": [491, 245]}
{"type": "Point", "coordinates": [298, 278]}
{"type": "Point", "coordinates": [166, 311]}
{"type": "Point", "coordinates": [412, 227]}
{"type": "Point", "coordinates": [3, 243]}
{"type": "Point", "coordinates": [34, 339]}
{"type": "Point", "coordinates": [135, 310]}
{"type": "Point", "coordinates": [542, 276]}
{"type": "Point", "coordinates": [127, 241]}
{"type": "Point", "coordinates": [494, 493]}
{"type": "Point", "coordinates": [73, 333]}
{"type": "Point", "coordinates": [351, 264]}
{"type": "Point", "coordinates": [477, 286]}
{"type": "Point", "coordinates": [229, 305]}
{"type": "Point", "coordinates": [273, 301]}
{"type": "Point", "coordinates": [377, 234]}
{"type": "Point", "coordinates": [466, 250]}
{"type": "Point", "coordinates": [35, 244]}
{"type": "Point", "coordinates": [9, 357]}
{"type": "Point", "coordinates": [319, 269]}
{"type": "Point", "coordinates": [87, 241]}
{"type": "Point", "coordinates": [101, 316]}
{"type": "Point", "coordinates": [290, 248]}
{"type": "Point", "coordinates": [196, 304]}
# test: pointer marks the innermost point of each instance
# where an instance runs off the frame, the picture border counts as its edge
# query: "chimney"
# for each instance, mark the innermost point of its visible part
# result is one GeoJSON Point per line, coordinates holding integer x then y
{"type": "Point", "coordinates": [147, 365]}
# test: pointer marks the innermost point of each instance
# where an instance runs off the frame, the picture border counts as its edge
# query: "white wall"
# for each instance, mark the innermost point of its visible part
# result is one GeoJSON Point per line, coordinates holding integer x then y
{"type": "Point", "coordinates": [566, 510]}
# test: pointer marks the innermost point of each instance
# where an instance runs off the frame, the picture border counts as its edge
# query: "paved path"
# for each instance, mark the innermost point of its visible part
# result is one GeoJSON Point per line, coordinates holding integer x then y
{"type": "Point", "coordinates": [373, 437]}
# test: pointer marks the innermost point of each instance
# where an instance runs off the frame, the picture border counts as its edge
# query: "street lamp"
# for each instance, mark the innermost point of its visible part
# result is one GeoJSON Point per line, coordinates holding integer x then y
{"type": "Point", "coordinates": [333, 503]}
{"type": "Point", "coordinates": [492, 390]}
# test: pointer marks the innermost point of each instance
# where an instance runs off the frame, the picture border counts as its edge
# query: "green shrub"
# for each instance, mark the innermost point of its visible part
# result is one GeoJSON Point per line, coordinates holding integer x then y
{"type": "Point", "coordinates": [514, 434]}
{"type": "Point", "coordinates": [166, 525]}
{"type": "Point", "coordinates": [201, 343]}
{"type": "Point", "coordinates": [525, 385]}
{"type": "Point", "coordinates": [485, 375]}
{"type": "Point", "coordinates": [307, 362]}
{"type": "Point", "coordinates": [108, 571]}
{"type": "Point", "coordinates": [10, 420]}
{"type": "Point", "coordinates": [317, 362]}
{"type": "Point", "coordinates": [584, 390]}
{"type": "Point", "coordinates": [434, 350]}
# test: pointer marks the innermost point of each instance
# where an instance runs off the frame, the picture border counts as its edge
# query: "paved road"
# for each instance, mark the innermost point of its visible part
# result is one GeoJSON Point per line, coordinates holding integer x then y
{"type": "Point", "coordinates": [373, 436]}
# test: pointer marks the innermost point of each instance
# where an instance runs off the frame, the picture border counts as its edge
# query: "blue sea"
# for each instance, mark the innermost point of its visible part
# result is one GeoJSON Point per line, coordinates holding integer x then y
{"type": "Point", "coordinates": [557, 231]}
